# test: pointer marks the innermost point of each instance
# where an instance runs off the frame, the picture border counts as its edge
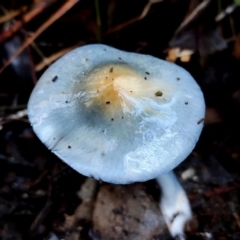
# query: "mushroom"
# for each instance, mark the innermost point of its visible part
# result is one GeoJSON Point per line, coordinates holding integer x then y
{"type": "Point", "coordinates": [121, 117]}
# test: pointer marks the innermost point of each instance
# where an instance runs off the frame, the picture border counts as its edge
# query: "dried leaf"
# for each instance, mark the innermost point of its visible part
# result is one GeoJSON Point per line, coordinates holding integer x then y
{"type": "Point", "coordinates": [127, 212]}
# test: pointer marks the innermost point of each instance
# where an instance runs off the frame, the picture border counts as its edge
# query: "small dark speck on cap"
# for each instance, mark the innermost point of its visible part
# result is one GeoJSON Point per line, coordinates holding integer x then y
{"type": "Point", "coordinates": [55, 79]}
{"type": "Point", "coordinates": [145, 78]}
{"type": "Point", "coordinates": [105, 49]}
{"type": "Point", "coordinates": [111, 70]}
{"type": "Point", "coordinates": [86, 59]}
{"type": "Point", "coordinates": [186, 103]}
{"type": "Point", "coordinates": [200, 121]}
{"type": "Point", "coordinates": [108, 102]}
{"type": "Point", "coordinates": [178, 78]}
{"type": "Point", "coordinates": [147, 73]}
{"type": "Point", "coordinates": [66, 101]}
{"type": "Point", "coordinates": [120, 59]}
{"type": "Point", "coordinates": [69, 146]}
{"type": "Point", "coordinates": [158, 94]}
{"type": "Point", "coordinates": [112, 119]}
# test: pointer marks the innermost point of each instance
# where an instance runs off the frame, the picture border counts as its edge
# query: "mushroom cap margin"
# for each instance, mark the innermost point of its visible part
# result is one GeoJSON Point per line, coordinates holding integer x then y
{"type": "Point", "coordinates": [138, 146]}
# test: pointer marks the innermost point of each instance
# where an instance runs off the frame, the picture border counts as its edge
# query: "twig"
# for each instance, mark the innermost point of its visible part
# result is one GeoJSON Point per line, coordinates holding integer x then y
{"type": "Point", "coordinates": [12, 107]}
{"type": "Point", "coordinates": [232, 27]}
{"type": "Point", "coordinates": [192, 15]}
{"type": "Point", "coordinates": [226, 12]}
{"type": "Point", "coordinates": [16, 116]}
{"type": "Point", "coordinates": [98, 19]}
{"type": "Point", "coordinates": [38, 51]}
{"type": "Point", "coordinates": [221, 190]}
{"type": "Point", "coordinates": [48, 60]}
{"type": "Point", "coordinates": [55, 56]}
{"type": "Point", "coordinates": [131, 21]}
{"type": "Point", "coordinates": [63, 9]}
{"type": "Point", "coordinates": [11, 14]}
{"type": "Point", "coordinates": [41, 216]}
{"type": "Point", "coordinates": [26, 18]}
{"type": "Point", "coordinates": [236, 216]}
{"type": "Point", "coordinates": [39, 179]}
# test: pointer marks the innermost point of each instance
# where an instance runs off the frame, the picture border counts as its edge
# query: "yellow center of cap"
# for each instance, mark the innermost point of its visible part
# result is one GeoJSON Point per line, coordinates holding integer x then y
{"type": "Point", "coordinates": [118, 88]}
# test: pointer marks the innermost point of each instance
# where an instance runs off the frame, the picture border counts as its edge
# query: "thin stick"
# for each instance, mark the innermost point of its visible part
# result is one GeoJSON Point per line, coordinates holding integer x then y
{"type": "Point", "coordinates": [193, 14]}
{"type": "Point", "coordinates": [11, 14]}
{"type": "Point", "coordinates": [138, 18]}
{"type": "Point", "coordinates": [98, 19]}
{"type": "Point", "coordinates": [47, 61]}
{"type": "Point", "coordinates": [65, 7]}
{"type": "Point", "coordinates": [26, 18]}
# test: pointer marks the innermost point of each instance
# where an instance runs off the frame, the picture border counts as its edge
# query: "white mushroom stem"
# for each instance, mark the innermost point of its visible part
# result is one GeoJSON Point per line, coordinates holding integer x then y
{"type": "Point", "coordinates": [174, 204]}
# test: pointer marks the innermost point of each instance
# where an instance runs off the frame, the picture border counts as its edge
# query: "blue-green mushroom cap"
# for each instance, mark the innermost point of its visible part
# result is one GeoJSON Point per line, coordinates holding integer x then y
{"type": "Point", "coordinates": [117, 116]}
